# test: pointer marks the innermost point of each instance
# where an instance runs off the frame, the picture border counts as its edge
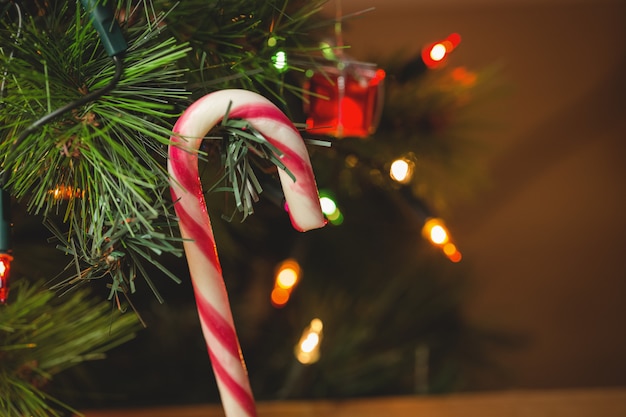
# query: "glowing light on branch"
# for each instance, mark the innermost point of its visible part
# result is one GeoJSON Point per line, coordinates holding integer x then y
{"type": "Point", "coordinates": [328, 205]}
{"type": "Point", "coordinates": [307, 350]}
{"type": "Point", "coordinates": [435, 54]}
{"type": "Point", "coordinates": [66, 192]}
{"type": "Point", "coordinates": [280, 60]}
{"type": "Point", "coordinates": [401, 170]}
{"type": "Point", "coordinates": [436, 232]}
{"type": "Point", "coordinates": [330, 209]}
{"type": "Point", "coordinates": [287, 276]}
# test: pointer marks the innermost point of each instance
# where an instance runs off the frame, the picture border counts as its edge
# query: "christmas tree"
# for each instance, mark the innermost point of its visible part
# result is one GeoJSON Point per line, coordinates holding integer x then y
{"type": "Point", "coordinates": [90, 96]}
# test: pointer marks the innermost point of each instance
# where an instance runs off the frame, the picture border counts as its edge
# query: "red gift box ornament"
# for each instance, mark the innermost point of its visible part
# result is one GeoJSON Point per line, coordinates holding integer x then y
{"type": "Point", "coordinates": [344, 101]}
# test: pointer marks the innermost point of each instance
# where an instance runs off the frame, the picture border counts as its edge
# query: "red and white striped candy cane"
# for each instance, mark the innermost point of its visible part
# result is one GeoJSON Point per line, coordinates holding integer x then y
{"type": "Point", "coordinates": [195, 226]}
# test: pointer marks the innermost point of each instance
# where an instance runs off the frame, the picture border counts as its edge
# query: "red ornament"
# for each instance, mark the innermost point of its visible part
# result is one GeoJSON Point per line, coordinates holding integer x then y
{"type": "Point", "coordinates": [5, 268]}
{"type": "Point", "coordinates": [345, 101]}
{"type": "Point", "coordinates": [5, 244]}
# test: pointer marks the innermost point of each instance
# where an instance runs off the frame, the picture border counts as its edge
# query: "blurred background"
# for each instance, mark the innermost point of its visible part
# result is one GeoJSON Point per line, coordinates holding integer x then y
{"type": "Point", "coordinates": [545, 239]}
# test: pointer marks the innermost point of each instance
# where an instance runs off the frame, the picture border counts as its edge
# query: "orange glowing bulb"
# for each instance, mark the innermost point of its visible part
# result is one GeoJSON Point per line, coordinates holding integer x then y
{"type": "Point", "coordinates": [287, 278]}
{"type": "Point", "coordinates": [435, 231]}
{"type": "Point", "coordinates": [279, 297]}
{"type": "Point", "coordinates": [452, 252]}
{"type": "Point", "coordinates": [288, 274]}
{"type": "Point", "coordinates": [438, 235]}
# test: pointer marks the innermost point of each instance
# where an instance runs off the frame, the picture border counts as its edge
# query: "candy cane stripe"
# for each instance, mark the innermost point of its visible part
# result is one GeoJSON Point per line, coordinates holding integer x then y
{"type": "Point", "coordinates": [218, 327]}
{"type": "Point", "coordinates": [240, 393]}
{"type": "Point", "coordinates": [195, 225]}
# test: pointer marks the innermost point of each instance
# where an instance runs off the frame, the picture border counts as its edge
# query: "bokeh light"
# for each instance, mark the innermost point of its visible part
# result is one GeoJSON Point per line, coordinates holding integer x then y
{"type": "Point", "coordinates": [330, 209]}
{"type": "Point", "coordinates": [307, 351]}
{"type": "Point", "coordinates": [288, 273]}
{"type": "Point", "coordinates": [280, 60]}
{"type": "Point", "coordinates": [401, 170]}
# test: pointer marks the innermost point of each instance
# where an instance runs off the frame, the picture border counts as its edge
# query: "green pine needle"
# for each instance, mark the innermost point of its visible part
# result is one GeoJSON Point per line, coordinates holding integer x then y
{"type": "Point", "coordinates": [242, 148]}
{"type": "Point", "coordinates": [42, 335]}
{"type": "Point", "coordinates": [101, 167]}
{"type": "Point", "coordinates": [106, 158]}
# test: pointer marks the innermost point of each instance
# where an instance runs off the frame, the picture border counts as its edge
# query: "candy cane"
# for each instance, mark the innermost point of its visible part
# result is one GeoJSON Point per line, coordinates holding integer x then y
{"type": "Point", "coordinates": [195, 226]}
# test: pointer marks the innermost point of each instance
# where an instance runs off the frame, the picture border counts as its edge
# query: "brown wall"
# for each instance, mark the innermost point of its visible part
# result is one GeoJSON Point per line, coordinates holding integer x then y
{"type": "Point", "coordinates": [547, 240]}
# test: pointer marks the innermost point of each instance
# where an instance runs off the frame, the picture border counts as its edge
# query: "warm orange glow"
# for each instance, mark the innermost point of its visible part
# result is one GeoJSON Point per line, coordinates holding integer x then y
{"type": "Point", "coordinates": [280, 296]}
{"type": "Point", "coordinates": [288, 274]}
{"type": "Point", "coordinates": [464, 77]}
{"type": "Point", "coordinates": [438, 235]}
{"type": "Point", "coordinates": [435, 231]}
{"type": "Point", "coordinates": [450, 250]}
{"type": "Point", "coordinates": [286, 278]}
{"type": "Point", "coordinates": [456, 257]}
{"type": "Point", "coordinates": [66, 192]}
{"type": "Point", "coordinates": [436, 53]}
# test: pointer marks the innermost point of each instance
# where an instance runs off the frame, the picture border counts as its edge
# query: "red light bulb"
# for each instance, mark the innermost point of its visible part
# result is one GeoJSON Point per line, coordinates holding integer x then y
{"type": "Point", "coordinates": [436, 53]}
{"type": "Point", "coordinates": [5, 269]}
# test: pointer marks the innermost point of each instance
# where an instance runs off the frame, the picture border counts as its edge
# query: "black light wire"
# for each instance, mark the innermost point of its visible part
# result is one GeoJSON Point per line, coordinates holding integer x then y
{"type": "Point", "coordinates": [94, 95]}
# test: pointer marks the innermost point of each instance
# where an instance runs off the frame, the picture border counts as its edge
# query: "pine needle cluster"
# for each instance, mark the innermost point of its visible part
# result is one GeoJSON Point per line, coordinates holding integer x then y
{"type": "Point", "coordinates": [97, 174]}
{"type": "Point", "coordinates": [42, 335]}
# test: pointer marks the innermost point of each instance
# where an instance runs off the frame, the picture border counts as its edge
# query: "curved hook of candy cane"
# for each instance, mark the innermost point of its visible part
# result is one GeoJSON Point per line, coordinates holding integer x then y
{"type": "Point", "coordinates": [195, 225]}
{"type": "Point", "coordinates": [301, 195]}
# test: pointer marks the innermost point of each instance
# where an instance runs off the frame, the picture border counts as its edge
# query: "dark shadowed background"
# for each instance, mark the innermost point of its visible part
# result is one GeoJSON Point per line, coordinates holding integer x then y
{"type": "Point", "coordinates": [546, 238]}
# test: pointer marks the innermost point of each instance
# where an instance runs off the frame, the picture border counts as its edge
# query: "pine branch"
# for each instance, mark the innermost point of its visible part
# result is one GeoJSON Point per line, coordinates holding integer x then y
{"type": "Point", "coordinates": [41, 336]}
{"type": "Point", "coordinates": [234, 42]}
{"type": "Point", "coordinates": [103, 164]}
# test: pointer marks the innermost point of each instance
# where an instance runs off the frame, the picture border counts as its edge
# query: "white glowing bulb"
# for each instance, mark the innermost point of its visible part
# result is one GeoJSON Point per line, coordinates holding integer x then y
{"type": "Point", "coordinates": [438, 235]}
{"type": "Point", "coordinates": [438, 52]}
{"type": "Point", "coordinates": [310, 342]}
{"type": "Point", "coordinates": [328, 205]}
{"type": "Point", "coordinates": [307, 351]}
{"type": "Point", "coordinates": [401, 170]}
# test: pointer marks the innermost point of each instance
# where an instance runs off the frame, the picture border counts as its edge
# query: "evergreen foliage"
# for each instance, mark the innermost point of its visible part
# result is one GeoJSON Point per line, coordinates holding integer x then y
{"type": "Point", "coordinates": [96, 176]}
{"type": "Point", "coordinates": [42, 335]}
